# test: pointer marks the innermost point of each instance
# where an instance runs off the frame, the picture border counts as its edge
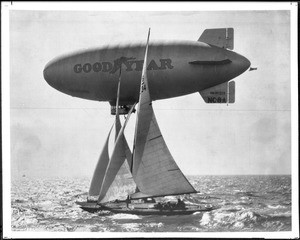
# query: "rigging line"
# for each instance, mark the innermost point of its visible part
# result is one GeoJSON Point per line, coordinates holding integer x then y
{"type": "Point", "coordinates": [161, 109]}
{"type": "Point", "coordinates": [230, 110]}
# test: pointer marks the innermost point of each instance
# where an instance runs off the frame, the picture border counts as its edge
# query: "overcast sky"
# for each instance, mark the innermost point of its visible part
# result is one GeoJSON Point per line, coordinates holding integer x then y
{"type": "Point", "coordinates": [56, 134]}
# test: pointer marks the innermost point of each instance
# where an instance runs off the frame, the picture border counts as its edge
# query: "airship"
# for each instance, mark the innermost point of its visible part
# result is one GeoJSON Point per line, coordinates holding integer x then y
{"type": "Point", "coordinates": [175, 68]}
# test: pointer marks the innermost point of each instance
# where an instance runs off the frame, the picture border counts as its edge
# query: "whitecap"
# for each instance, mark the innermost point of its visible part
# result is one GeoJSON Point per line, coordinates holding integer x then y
{"type": "Point", "coordinates": [276, 206]}
{"type": "Point", "coordinates": [131, 226]}
{"type": "Point", "coordinates": [124, 216]}
{"type": "Point", "coordinates": [205, 219]}
{"type": "Point", "coordinates": [284, 214]}
{"type": "Point", "coordinates": [246, 216]}
{"type": "Point", "coordinates": [239, 225]}
{"type": "Point", "coordinates": [159, 225]}
{"type": "Point", "coordinates": [196, 213]}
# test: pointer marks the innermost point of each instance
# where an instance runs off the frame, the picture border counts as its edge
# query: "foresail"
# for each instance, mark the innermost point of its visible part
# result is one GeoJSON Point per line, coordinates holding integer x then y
{"type": "Point", "coordinates": [118, 125]}
{"type": "Point", "coordinates": [154, 169]}
{"type": "Point", "coordinates": [116, 160]}
{"type": "Point", "coordinates": [122, 185]}
{"type": "Point", "coordinates": [100, 169]}
{"type": "Point", "coordinates": [127, 151]}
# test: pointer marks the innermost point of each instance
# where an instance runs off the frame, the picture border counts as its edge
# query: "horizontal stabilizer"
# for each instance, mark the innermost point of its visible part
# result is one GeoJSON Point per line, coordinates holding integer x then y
{"type": "Point", "coordinates": [222, 93]}
{"type": "Point", "coordinates": [220, 37]}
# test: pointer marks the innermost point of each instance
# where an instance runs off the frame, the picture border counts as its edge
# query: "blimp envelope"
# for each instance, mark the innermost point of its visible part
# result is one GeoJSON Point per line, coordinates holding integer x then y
{"type": "Point", "coordinates": [222, 93]}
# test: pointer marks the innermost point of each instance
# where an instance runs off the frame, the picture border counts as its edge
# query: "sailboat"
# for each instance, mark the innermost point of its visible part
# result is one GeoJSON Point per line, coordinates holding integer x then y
{"type": "Point", "coordinates": [150, 164]}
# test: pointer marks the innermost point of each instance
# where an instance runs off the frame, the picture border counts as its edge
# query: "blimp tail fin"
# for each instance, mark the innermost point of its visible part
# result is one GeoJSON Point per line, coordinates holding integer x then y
{"type": "Point", "coordinates": [222, 93]}
{"type": "Point", "coordinates": [220, 37]}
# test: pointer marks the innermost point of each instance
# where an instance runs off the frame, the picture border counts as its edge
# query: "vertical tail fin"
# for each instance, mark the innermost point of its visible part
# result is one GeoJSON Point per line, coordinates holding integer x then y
{"type": "Point", "coordinates": [220, 37]}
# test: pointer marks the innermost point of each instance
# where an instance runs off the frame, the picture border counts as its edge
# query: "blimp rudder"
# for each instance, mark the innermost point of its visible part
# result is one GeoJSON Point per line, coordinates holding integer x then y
{"type": "Point", "coordinates": [220, 37]}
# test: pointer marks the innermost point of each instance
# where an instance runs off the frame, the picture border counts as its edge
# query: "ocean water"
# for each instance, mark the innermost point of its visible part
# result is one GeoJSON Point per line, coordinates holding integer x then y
{"type": "Point", "coordinates": [246, 203]}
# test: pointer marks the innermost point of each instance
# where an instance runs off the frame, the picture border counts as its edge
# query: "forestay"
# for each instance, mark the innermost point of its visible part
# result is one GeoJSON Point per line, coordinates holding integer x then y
{"type": "Point", "coordinates": [154, 169]}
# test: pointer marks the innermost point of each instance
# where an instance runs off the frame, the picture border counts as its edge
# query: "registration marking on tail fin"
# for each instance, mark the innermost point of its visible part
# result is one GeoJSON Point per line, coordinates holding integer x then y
{"type": "Point", "coordinates": [222, 93]}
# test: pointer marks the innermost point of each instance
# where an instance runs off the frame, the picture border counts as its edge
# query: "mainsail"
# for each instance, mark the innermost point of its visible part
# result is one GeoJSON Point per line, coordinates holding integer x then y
{"type": "Point", "coordinates": [154, 169]}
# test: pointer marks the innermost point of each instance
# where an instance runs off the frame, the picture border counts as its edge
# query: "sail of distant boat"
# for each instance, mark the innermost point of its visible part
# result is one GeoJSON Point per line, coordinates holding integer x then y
{"type": "Point", "coordinates": [154, 169]}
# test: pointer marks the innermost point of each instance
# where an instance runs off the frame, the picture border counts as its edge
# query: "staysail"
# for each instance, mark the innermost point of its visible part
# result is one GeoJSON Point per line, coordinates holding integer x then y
{"type": "Point", "coordinates": [154, 169]}
{"type": "Point", "coordinates": [118, 124]}
{"type": "Point", "coordinates": [116, 160]}
{"type": "Point", "coordinates": [100, 169]}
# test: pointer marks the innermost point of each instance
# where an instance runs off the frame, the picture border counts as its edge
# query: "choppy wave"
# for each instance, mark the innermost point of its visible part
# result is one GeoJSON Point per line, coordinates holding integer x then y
{"type": "Point", "coordinates": [246, 203]}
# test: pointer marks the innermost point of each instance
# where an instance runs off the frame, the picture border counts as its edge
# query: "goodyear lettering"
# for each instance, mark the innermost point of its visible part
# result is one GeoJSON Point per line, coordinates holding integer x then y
{"type": "Point", "coordinates": [107, 66]}
{"type": "Point", "coordinates": [152, 65]}
{"type": "Point", "coordinates": [130, 65]}
{"type": "Point", "coordinates": [139, 65]}
{"type": "Point", "coordinates": [118, 63]}
{"type": "Point", "coordinates": [78, 68]}
{"type": "Point", "coordinates": [165, 63]}
{"type": "Point", "coordinates": [216, 100]}
{"type": "Point", "coordinates": [87, 67]}
{"type": "Point", "coordinates": [97, 67]}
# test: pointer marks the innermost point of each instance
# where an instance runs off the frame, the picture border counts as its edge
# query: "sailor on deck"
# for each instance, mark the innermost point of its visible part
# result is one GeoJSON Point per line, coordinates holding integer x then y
{"type": "Point", "coordinates": [127, 201]}
{"type": "Point", "coordinates": [180, 203]}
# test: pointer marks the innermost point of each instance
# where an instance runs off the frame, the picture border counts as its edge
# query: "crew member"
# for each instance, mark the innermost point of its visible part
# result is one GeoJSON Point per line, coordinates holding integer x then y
{"type": "Point", "coordinates": [127, 201]}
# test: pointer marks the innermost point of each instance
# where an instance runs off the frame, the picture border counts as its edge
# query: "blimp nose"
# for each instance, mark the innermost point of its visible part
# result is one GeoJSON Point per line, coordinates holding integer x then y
{"type": "Point", "coordinates": [241, 63]}
{"type": "Point", "coordinates": [50, 75]}
{"type": "Point", "coordinates": [47, 75]}
{"type": "Point", "coordinates": [244, 63]}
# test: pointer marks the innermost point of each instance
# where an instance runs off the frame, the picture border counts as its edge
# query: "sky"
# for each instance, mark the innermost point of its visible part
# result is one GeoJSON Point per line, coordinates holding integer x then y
{"type": "Point", "coordinates": [53, 134]}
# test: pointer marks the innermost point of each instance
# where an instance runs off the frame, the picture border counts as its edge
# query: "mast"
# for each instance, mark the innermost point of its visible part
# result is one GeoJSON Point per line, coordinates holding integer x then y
{"type": "Point", "coordinates": [117, 118]}
{"type": "Point", "coordinates": [139, 106]}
